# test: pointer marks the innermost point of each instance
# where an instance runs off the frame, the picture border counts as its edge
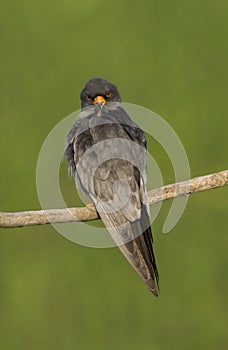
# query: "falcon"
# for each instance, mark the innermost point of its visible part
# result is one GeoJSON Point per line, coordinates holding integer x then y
{"type": "Point", "coordinates": [107, 154]}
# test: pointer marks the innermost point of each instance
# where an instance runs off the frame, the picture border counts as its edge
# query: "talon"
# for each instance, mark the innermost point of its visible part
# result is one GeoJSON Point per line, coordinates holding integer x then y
{"type": "Point", "coordinates": [90, 206]}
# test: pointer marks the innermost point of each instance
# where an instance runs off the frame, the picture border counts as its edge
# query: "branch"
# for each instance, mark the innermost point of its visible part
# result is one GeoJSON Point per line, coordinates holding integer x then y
{"type": "Point", "coordinates": [42, 217]}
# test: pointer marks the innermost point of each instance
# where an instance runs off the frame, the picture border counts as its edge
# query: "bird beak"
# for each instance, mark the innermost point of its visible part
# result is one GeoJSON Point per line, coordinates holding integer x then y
{"type": "Point", "coordinates": [100, 100]}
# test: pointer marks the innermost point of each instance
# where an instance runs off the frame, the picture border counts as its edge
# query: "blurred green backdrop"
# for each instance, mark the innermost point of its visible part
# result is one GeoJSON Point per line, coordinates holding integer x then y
{"type": "Point", "coordinates": [171, 57]}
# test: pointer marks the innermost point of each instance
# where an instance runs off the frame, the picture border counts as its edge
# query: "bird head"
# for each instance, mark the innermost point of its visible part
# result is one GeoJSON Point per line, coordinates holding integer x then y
{"type": "Point", "coordinates": [99, 91]}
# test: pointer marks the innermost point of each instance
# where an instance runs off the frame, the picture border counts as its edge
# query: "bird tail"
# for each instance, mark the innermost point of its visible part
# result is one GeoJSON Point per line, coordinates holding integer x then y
{"type": "Point", "coordinates": [134, 239]}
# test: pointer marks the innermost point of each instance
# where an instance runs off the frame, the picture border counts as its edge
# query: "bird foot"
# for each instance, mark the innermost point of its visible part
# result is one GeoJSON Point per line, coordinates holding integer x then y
{"type": "Point", "coordinates": [90, 206]}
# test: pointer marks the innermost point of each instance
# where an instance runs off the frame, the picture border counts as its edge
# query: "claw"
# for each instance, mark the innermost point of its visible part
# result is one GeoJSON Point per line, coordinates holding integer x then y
{"type": "Point", "coordinates": [90, 206]}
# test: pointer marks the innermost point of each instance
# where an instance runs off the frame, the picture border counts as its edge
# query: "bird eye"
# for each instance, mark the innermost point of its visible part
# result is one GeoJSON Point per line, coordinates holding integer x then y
{"type": "Point", "coordinates": [108, 94]}
{"type": "Point", "coordinates": [88, 97]}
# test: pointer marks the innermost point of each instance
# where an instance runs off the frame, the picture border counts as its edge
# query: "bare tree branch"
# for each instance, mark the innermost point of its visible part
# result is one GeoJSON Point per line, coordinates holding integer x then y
{"type": "Point", "coordinates": [42, 217]}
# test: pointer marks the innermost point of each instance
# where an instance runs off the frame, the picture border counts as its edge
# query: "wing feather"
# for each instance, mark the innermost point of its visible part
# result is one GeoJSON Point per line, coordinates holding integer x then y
{"type": "Point", "coordinates": [116, 184]}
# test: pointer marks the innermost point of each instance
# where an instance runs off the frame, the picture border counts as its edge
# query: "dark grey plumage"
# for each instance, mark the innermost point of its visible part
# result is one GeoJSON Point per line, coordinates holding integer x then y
{"type": "Point", "coordinates": [106, 152]}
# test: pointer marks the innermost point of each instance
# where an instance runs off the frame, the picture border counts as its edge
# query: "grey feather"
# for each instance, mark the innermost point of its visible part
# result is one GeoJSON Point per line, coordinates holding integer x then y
{"type": "Point", "coordinates": [106, 152]}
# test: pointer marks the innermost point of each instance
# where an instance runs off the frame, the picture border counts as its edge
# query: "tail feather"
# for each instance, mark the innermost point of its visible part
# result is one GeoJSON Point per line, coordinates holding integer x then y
{"type": "Point", "coordinates": [134, 239]}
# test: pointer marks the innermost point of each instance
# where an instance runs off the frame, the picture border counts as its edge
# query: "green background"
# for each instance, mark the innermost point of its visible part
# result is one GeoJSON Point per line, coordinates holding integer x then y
{"type": "Point", "coordinates": [171, 57]}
